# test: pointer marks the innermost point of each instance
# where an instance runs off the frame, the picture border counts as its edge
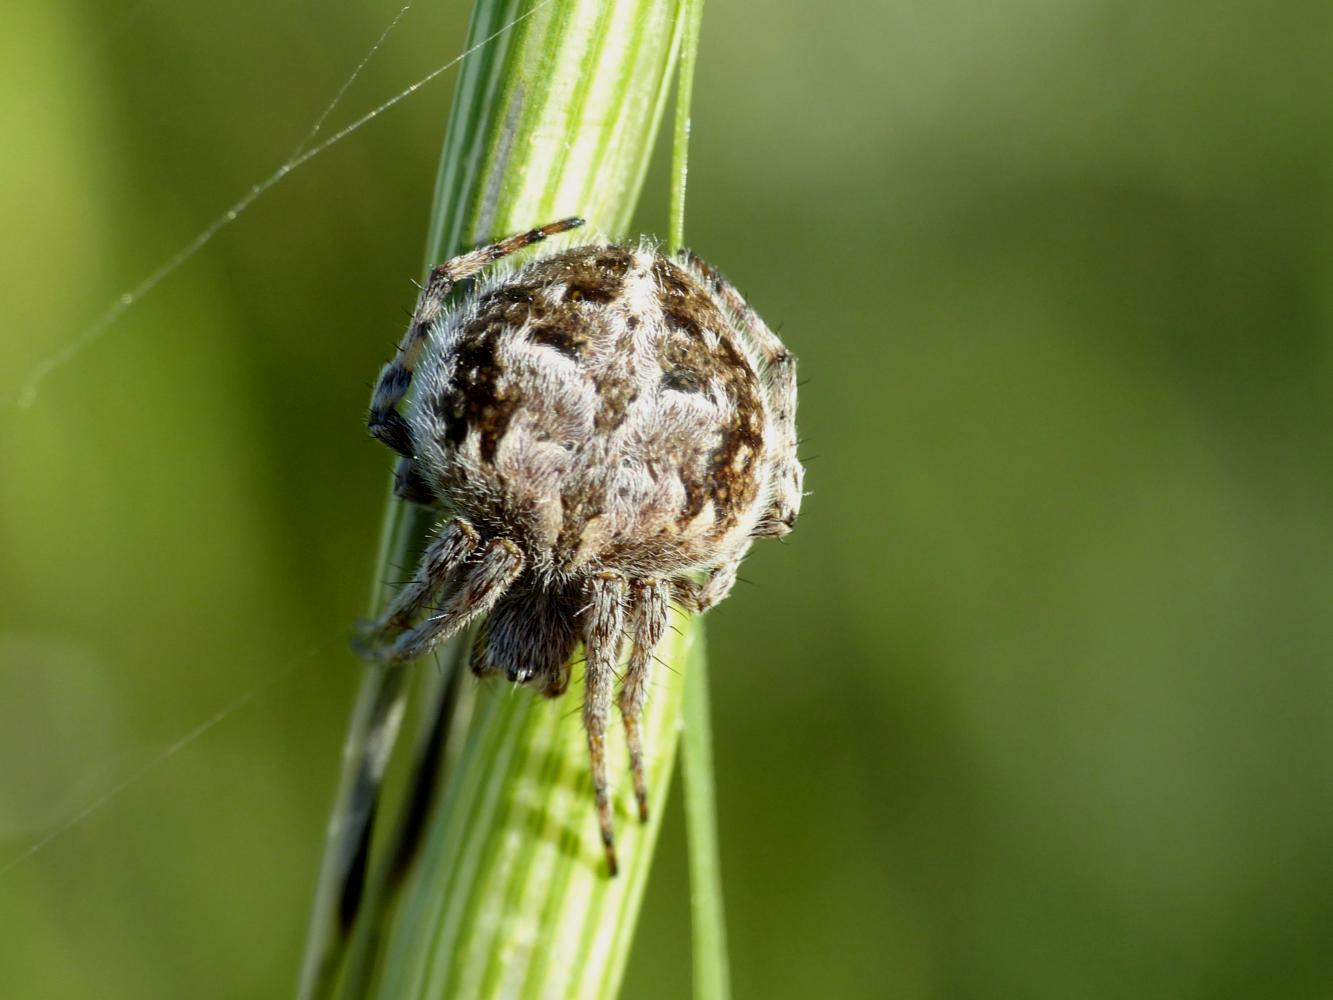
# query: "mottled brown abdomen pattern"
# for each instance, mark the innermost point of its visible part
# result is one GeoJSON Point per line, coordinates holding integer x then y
{"type": "Point", "coordinates": [600, 399]}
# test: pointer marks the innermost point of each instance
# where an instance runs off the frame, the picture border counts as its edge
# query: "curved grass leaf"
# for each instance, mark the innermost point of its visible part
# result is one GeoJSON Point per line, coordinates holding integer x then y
{"type": "Point", "coordinates": [494, 884]}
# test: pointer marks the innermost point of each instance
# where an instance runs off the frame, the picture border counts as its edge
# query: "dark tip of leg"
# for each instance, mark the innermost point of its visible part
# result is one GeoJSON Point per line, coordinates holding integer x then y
{"type": "Point", "coordinates": [389, 427]}
{"type": "Point", "coordinates": [363, 647]}
{"type": "Point", "coordinates": [643, 808]}
{"type": "Point", "coordinates": [550, 229]}
{"type": "Point", "coordinates": [369, 642]}
{"type": "Point", "coordinates": [609, 844]}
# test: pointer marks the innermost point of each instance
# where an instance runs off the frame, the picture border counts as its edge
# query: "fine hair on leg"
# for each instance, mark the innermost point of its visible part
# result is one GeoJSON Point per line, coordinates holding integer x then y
{"type": "Point", "coordinates": [651, 600]}
{"type": "Point", "coordinates": [699, 597]}
{"type": "Point", "coordinates": [602, 629]}
{"type": "Point", "coordinates": [410, 485]}
{"type": "Point", "coordinates": [442, 559]}
{"type": "Point", "coordinates": [496, 566]}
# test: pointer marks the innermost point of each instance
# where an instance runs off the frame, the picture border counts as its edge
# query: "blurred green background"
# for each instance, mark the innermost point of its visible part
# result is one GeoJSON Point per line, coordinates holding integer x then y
{"type": "Point", "coordinates": [1035, 703]}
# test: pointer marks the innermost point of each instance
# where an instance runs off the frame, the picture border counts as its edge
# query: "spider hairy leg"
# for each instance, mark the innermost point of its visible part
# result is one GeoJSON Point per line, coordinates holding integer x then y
{"type": "Point", "coordinates": [788, 474]}
{"type": "Point", "coordinates": [469, 264]}
{"type": "Point", "coordinates": [602, 631]}
{"type": "Point", "coordinates": [441, 561]}
{"type": "Point", "coordinates": [699, 597]}
{"type": "Point", "coordinates": [651, 611]}
{"type": "Point", "coordinates": [410, 485]}
{"type": "Point", "coordinates": [495, 567]}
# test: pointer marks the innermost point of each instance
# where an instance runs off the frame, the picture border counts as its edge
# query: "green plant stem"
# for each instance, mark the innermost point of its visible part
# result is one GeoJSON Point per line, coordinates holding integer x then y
{"type": "Point", "coordinates": [712, 979]}
{"type": "Point", "coordinates": [371, 735]}
{"type": "Point", "coordinates": [505, 892]}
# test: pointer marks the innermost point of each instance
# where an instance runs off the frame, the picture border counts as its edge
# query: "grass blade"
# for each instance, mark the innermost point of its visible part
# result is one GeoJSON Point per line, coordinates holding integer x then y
{"type": "Point", "coordinates": [507, 895]}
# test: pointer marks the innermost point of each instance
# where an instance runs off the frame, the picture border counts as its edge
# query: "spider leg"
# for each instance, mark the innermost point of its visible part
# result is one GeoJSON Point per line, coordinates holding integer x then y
{"type": "Point", "coordinates": [410, 485]}
{"type": "Point", "coordinates": [385, 422]}
{"type": "Point", "coordinates": [443, 558]}
{"type": "Point", "coordinates": [557, 680]}
{"type": "Point", "coordinates": [779, 378]}
{"type": "Point", "coordinates": [489, 574]}
{"type": "Point", "coordinates": [699, 597]}
{"type": "Point", "coordinates": [602, 629]}
{"type": "Point", "coordinates": [651, 610]}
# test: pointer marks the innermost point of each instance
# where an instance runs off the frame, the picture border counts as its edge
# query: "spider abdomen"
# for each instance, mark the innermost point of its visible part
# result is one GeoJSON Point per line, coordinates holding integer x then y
{"type": "Point", "coordinates": [598, 402]}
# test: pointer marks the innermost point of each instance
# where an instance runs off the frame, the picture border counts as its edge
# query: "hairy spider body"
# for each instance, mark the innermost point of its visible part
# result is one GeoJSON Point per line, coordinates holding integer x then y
{"type": "Point", "coordinates": [602, 425]}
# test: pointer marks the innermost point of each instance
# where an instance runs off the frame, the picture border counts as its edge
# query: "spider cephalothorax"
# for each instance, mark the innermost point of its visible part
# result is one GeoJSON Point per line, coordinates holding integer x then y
{"type": "Point", "coordinates": [607, 429]}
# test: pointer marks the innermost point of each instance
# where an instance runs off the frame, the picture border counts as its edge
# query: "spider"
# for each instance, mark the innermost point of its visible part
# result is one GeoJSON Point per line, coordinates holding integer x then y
{"type": "Point", "coordinates": [606, 430]}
